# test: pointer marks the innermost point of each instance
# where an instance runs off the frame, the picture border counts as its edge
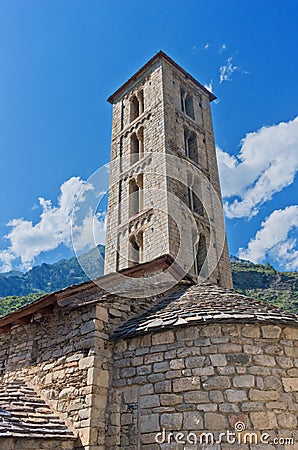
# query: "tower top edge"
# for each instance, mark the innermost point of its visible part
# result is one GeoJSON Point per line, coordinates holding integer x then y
{"type": "Point", "coordinates": [159, 56]}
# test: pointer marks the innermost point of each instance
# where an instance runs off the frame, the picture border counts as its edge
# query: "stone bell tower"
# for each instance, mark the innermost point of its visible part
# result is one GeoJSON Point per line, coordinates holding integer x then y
{"type": "Point", "coordinates": [164, 195]}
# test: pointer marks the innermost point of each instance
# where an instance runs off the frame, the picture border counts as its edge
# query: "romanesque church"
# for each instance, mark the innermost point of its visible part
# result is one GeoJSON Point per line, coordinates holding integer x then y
{"type": "Point", "coordinates": [160, 352]}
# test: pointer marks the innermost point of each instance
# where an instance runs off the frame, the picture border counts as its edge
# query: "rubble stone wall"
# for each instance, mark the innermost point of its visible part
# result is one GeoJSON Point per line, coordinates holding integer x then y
{"type": "Point", "coordinates": [35, 444]}
{"type": "Point", "coordinates": [65, 356]}
{"type": "Point", "coordinates": [202, 379]}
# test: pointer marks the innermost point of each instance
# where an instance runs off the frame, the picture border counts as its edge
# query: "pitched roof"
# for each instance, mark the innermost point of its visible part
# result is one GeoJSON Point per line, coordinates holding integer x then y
{"type": "Point", "coordinates": [111, 282]}
{"type": "Point", "coordinates": [203, 304]}
{"type": "Point", "coordinates": [149, 63]}
{"type": "Point", "coordinates": [24, 414]}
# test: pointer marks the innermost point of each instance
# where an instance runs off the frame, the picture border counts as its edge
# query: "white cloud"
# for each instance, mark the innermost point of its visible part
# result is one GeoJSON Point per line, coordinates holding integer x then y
{"type": "Point", "coordinates": [209, 86]}
{"type": "Point", "coordinates": [206, 45]}
{"type": "Point", "coordinates": [223, 47]}
{"type": "Point", "coordinates": [273, 240]}
{"type": "Point", "coordinates": [266, 164]}
{"type": "Point", "coordinates": [90, 232]}
{"type": "Point", "coordinates": [28, 240]}
{"type": "Point", "coordinates": [226, 71]}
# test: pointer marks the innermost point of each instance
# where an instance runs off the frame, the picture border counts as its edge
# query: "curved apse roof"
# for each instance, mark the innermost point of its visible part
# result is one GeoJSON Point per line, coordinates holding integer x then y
{"type": "Point", "coordinates": [203, 304]}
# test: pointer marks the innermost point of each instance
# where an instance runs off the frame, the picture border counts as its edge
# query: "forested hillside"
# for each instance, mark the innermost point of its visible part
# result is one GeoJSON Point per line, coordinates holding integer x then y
{"type": "Point", "coordinates": [259, 281]}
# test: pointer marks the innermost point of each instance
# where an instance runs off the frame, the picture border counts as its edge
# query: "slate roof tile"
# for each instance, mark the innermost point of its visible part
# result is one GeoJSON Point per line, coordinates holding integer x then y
{"type": "Point", "coordinates": [24, 414]}
{"type": "Point", "coordinates": [202, 304]}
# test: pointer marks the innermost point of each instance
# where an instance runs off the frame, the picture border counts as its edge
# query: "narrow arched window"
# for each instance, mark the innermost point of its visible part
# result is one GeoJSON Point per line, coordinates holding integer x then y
{"type": "Point", "coordinates": [137, 145]}
{"type": "Point", "coordinates": [134, 198]}
{"type": "Point", "coordinates": [187, 104]}
{"type": "Point", "coordinates": [135, 251]}
{"type": "Point", "coordinates": [134, 148]}
{"type": "Point", "coordinates": [201, 255]}
{"type": "Point", "coordinates": [190, 143]}
{"type": "Point", "coordinates": [134, 108]}
{"type": "Point", "coordinates": [136, 105]}
{"type": "Point", "coordinates": [195, 202]}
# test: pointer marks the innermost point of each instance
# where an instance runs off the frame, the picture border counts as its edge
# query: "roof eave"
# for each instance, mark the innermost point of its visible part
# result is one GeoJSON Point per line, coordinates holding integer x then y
{"type": "Point", "coordinates": [159, 55]}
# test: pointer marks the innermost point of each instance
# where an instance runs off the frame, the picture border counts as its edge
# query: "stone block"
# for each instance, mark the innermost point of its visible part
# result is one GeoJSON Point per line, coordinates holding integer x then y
{"type": "Point", "coordinates": [161, 366]}
{"type": "Point", "coordinates": [170, 399]}
{"type": "Point", "coordinates": [177, 364]}
{"type": "Point", "coordinates": [186, 384]}
{"type": "Point", "coordinates": [85, 363]}
{"type": "Point", "coordinates": [273, 383]}
{"type": "Point", "coordinates": [238, 358]}
{"type": "Point", "coordinates": [216, 396]}
{"type": "Point", "coordinates": [149, 401]}
{"type": "Point", "coordinates": [228, 408]}
{"type": "Point", "coordinates": [243, 381]}
{"type": "Point", "coordinates": [250, 331]}
{"type": "Point", "coordinates": [229, 348]}
{"type": "Point", "coordinates": [252, 406]}
{"type": "Point", "coordinates": [87, 327]}
{"type": "Point", "coordinates": [214, 421]}
{"type": "Point", "coordinates": [263, 420]}
{"type": "Point", "coordinates": [290, 384]}
{"type": "Point", "coordinates": [291, 352]}
{"type": "Point", "coordinates": [153, 357]}
{"type": "Point", "coordinates": [217, 382]}
{"type": "Point", "coordinates": [163, 386]}
{"type": "Point", "coordinates": [284, 363]}
{"type": "Point", "coordinates": [165, 337]}
{"type": "Point", "coordinates": [171, 421]}
{"type": "Point", "coordinates": [264, 360]}
{"type": "Point", "coordinates": [290, 333]}
{"type": "Point", "coordinates": [259, 370]}
{"type": "Point", "coordinates": [149, 423]}
{"type": "Point", "coordinates": [196, 397]}
{"type": "Point", "coordinates": [192, 421]}
{"type": "Point", "coordinates": [211, 331]}
{"type": "Point", "coordinates": [203, 371]}
{"type": "Point", "coordinates": [218, 360]}
{"type": "Point", "coordinates": [286, 420]}
{"type": "Point", "coordinates": [235, 395]}
{"type": "Point", "coordinates": [194, 361]}
{"type": "Point", "coordinates": [127, 372]}
{"type": "Point", "coordinates": [271, 331]}
{"type": "Point", "coordinates": [258, 395]}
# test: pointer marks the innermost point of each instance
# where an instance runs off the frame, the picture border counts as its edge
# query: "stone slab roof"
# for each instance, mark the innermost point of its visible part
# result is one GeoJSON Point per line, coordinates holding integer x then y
{"type": "Point", "coordinates": [203, 304]}
{"type": "Point", "coordinates": [23, 414]}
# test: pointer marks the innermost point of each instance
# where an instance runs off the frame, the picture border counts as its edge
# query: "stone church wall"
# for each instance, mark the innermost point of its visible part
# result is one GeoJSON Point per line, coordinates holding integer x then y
{"type": "Point", "coordinates": [65, 357]}
{"type": "Point", "coordinates": [203, 379]}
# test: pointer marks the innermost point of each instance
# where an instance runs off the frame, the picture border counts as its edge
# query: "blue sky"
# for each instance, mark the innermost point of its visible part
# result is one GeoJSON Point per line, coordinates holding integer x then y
{"type": "Point", "coordinates": [59, 62]}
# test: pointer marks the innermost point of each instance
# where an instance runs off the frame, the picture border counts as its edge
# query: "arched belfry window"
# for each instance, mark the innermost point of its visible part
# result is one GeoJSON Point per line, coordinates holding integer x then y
{"type": "Point", "coordinates": [135, 251]}
{"type": "Point", "coordinates": [136, 105]}
{"type": "Point", "coordinates": [190, 143]}
{"type": "Point", "coordinates": [137, 145]}
{"type": "Point", "coordinates": [135, 195]}
{"type": "Point", "coordinates": [187, 104]}
{"type": "Point", "coordinates": [201, 255]}
{"type": "Point", "coordinates": [195, 201]}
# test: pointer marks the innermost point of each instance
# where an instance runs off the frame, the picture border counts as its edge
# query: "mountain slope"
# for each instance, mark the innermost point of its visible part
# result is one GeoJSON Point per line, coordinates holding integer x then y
{"type": "Point", "coordinates": [263, 282]}
{"type": "Point", "coordinates": [52, 277]}
{"type": "Point", "coordinates": [259, 281]}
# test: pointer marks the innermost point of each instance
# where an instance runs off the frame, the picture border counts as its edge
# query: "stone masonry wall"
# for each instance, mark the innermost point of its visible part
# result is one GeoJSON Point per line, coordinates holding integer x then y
{"type": "Point", "coordinates": [204, 379]}
{"type": "Point", "coordinates": [65, 356]}
{"type": "Point", "coordinates": [34, 444]}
